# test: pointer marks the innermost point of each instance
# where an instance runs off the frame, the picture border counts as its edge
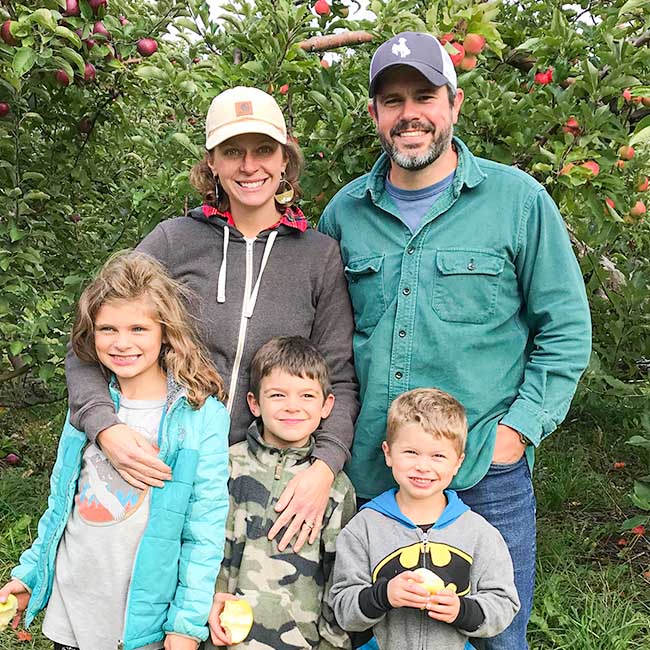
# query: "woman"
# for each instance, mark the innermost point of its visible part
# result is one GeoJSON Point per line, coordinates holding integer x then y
{"type": "Point", "coordinates": [258, 271]}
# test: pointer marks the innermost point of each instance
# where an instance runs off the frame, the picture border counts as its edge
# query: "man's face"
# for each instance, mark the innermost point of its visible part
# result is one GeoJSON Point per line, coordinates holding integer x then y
{"type": "Point", "coordinates": [413, 117]}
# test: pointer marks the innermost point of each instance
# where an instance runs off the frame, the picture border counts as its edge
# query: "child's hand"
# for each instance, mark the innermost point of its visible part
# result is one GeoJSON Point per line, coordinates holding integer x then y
{"type": "Point", "coordinates": [444, 606]}
{"type": "Point", "coordinates": [180, 642]}
{"type": "Point", "coordinates": [21, 592]}
{"type": "Point", "coordinates": [405, 590]}
{"type": "Point", "coordinates": [218, 634]}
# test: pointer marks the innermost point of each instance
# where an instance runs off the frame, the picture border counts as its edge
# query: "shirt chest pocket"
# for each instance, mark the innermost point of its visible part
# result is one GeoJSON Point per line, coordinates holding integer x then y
{"type": "Point", "coordinates": [466, 285]}
{"type": "Point", "coordinates": [365, 278]}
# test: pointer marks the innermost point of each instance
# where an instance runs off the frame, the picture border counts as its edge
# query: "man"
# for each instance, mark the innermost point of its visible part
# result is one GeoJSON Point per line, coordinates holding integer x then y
{"type": "Point", "coordinates": [462, 277]}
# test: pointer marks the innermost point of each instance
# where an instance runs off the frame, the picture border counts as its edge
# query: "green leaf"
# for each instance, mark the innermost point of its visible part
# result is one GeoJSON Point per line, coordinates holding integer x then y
{"type": "Point", "coordinates": [187, 23]}
{"type": "Point", "coordinates": [74, 58]}
{"type": "Point", "coordinates": [631, 6]}
{"type": "Point", "coordinates": [24, 60]}
{"type": "Point", "coordinates": [44, 18]}
{"type": "Point", "coordinates": [185, 142]}
{"type": "Point", "coordinates": [15, 347]}
{"type": "Point", "coordinates": [68, 34]}
{"type": "Point", "coordinates": [641, 136]}
{"type": "Point", "coordinates": [36, 195]}
{"type": "Point", "coordinates": [151, 73]}
{"type": "Point", "coordinates": [638, 441]}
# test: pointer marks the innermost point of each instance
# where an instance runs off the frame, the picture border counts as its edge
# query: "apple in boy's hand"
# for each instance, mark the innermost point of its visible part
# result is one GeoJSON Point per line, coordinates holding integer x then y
{"type": "Point", "coordinates": [432, 582]}
{"type": "Point", "coordinates": [7, 611]}
{"type": "Point", "coordinates": [237, 619]}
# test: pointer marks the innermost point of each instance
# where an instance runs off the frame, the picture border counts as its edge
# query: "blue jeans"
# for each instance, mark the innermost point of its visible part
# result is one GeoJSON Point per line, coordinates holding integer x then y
{"type": "Point", "coordinates": [505, 498]}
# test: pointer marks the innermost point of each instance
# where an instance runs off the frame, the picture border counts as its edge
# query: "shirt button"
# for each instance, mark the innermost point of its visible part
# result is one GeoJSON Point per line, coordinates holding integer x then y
{"type": "Point", "coordinates": [402, 334]}
{"type": "Point", "coordinates": [471, 266]}
{"type": "Point", "coordinates": [398, 375]}
{"type": "Point", "coordinates": [406, 291]}
{"type": "Point", "coordinates": [410, 250]}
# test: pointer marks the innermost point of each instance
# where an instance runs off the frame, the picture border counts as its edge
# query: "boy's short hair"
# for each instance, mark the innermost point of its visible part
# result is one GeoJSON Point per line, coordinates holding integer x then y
{"type": "Point", "coordinates": [293, 354]}
{"type": "Point", "coordinates": [437, 412]}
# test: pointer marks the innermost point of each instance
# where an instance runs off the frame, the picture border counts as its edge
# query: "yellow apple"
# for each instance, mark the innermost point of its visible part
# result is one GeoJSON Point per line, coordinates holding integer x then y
{"type": "Point", "coordinates": [237, 618]}
{"type": "Point", "coordinates": [433, 583]}
{"type": "Point", "coordinates": [7, 611]}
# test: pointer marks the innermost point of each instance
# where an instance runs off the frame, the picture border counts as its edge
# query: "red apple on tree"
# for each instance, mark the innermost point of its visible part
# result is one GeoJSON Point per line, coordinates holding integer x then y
{"type": "Point", "coordinates": [627, 95]}
{"type": "Point", "coordinates": [98, 28]}
{"type": "Point", "coordinates": [456, 57]}
{"type": "Point", "coordinates": [96, 4]}
{"type": "Point", "coordinates": [61, 77]}
{"type": "Point", "coordinates": [638, 209]}
{"type": "Point", "coordinates": [147, 46]}
{"type": "Point", "coordinates": [284, 89]}
{"type": "Point", "coordinates": [447, 38]}
{"type": "Point", "coordinates": [89, 72]}
{"type": "Point", "coordinates": [474, 43]}
{"type": "Point", "coordinates": [566, 169]}
{"type": "Point", "coordinates": [572, 126]}
{"type": "Point", "coordinates": [4, 109]}
{"type": "Point", "coordinates": [322, 8]}
{"type": "Point", "coordinates": [85, 126]}
{"type": "Point", "coordinates": [123, 20]}
{"type": "Point", "coordinates": [545, 77]}
{"type": "Point", "coordinates": [5, 33]}
{"type": "Point", "coordinates": [592, 166]}
{"type": "Point", "coordinates": [72, 8]}
{"type": "Point", "coordinates": [468, 62]}
{"type": "Point", "coordinates": [643, 185]}
{"type": "Point", "coordinates": [610, 203]}
{"type": "Point", "coordinates": [626, 152]}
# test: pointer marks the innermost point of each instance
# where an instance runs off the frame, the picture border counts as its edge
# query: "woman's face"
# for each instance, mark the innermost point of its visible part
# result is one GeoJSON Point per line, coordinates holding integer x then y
{"type": "Point", "coordinates": [249, 168]}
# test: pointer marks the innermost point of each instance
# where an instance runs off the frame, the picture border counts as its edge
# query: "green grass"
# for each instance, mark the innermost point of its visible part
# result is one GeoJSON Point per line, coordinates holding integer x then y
{"type": "Point", "coordinates": [590, 594]}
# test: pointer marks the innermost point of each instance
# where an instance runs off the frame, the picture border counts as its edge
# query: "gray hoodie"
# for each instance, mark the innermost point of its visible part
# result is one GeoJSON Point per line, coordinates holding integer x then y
{"type": "Point", "coordinates": [283, 282]}
{"type": "Point", "coordinates": [461, 547]}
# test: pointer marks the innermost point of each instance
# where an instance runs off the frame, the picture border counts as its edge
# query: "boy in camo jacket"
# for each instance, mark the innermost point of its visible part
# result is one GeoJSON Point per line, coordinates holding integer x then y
{"type": "Point", "coordinates": [290, 393]}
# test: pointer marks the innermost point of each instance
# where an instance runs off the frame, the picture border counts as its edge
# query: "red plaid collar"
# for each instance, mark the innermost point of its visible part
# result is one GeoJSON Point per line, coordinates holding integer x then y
{"type": "Point", "coordinates": [292, 217]}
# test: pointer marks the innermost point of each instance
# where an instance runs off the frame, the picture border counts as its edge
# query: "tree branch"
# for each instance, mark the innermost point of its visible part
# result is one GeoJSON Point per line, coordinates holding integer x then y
{"type": "Point", "coordinates": [333, 41]}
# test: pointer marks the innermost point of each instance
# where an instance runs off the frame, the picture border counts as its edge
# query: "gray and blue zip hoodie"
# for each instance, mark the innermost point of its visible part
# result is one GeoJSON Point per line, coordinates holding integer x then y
{"type": "Point", "coordinates": [461, 547]}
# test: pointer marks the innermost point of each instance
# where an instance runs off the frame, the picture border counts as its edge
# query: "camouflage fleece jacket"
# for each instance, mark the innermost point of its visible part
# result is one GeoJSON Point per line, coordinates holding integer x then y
{"type": "Point", "coordinates": [285, 589]}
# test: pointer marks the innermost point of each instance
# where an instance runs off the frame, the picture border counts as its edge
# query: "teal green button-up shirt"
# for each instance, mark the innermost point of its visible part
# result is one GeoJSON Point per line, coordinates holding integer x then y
{"type": "Point", "coordinates": [485, 301]}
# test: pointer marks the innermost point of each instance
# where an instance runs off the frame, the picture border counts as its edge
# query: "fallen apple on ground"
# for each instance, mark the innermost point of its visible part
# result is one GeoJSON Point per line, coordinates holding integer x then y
{"type": "Point", "coordinates": [7, 611]}
{"type": "Point", "coordinates": [433, 583]}
{"type": "Point", "coordinates": [237, 619]}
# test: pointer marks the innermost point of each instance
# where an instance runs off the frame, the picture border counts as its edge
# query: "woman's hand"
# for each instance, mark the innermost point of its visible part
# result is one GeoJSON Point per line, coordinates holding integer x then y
{"type": "Point", "coordinates": [133, 457]}
{"type": "Point", "coordinates": [21, 592]}
{"type": "Point", "coordinates": [180, 642]}
{"type": "Point", "coordinates": [218, 633]}
{"type": "Point", "coordinates": [303, 505]}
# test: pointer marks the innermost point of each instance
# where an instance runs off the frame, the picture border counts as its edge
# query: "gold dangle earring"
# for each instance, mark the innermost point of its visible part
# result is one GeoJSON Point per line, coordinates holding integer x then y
{"type": "Point", "coordinates": [285, 192]}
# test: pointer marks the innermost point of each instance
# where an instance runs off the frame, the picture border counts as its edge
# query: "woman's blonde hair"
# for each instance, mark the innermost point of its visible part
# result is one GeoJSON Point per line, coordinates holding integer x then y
{"type": "Point", "coordinates": [130, 275]}
{"type": "Point", "coordinates": [204, 180]}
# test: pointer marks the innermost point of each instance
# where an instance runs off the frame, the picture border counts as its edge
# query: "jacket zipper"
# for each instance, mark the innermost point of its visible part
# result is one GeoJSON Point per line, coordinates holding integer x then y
{"type": "Point", "coordinates": [162, 440]}
{"type": "Point", "coordinates": [243, 324]}
{"type": "Point", "coordinates": [423, 564]}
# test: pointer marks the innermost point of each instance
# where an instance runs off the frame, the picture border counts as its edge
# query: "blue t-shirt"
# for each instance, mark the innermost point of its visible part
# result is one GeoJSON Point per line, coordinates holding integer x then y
{"type": "Point", "coordinates": [414, 204]}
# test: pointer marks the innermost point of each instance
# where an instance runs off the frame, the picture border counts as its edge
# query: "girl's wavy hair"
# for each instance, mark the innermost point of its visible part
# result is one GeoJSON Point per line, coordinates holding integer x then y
{"type": "Point", "coordinates": [131, 275]}
{"type": "Point", "coordinates": [204, 180]}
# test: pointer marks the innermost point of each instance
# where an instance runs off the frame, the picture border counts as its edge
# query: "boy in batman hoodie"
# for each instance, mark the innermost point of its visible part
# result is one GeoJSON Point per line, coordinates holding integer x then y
{"type": "Point", "coordinates": [378, 582]}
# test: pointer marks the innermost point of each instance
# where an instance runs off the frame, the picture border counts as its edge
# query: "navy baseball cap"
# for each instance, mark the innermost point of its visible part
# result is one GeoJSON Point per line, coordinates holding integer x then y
{"type": "Point", "coordinates": [418, 50]}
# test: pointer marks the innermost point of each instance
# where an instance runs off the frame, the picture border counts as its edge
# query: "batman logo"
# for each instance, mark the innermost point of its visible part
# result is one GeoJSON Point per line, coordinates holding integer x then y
{"type": "Point", "coordinates": [451, 564]}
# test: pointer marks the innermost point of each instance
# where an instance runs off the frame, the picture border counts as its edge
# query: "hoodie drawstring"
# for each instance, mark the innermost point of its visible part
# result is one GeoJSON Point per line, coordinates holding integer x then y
{"type": "Point", "coordinates": [221, 283]}
{"type": "Point", "coordinates": [252, 299]}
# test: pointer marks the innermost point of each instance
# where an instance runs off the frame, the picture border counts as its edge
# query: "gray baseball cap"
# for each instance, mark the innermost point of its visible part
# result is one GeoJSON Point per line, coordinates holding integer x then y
{"type": "Point", "coordinates": [418, 50]}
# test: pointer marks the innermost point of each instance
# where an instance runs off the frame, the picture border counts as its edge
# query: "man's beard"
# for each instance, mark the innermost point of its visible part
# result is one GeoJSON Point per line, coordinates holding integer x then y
{"type": "Point", "coordinates": [414, 162]}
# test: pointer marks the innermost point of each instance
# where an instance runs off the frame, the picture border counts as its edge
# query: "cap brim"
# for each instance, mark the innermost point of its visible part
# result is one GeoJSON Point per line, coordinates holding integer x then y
{"type": "Point", "coordinates": [241, 126]}
{"type": "Point", "coordinates": [431, 74]}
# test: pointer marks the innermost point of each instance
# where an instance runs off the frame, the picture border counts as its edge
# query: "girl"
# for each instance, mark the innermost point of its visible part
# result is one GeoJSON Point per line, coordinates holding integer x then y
{"type": "Point", "coordinates": [259, 270]}
{"type": "Point", "coordinates": [120, 567]}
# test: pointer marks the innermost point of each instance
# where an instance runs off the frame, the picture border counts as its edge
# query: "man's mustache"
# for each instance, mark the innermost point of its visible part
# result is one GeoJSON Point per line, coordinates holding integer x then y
{"type": "Point", "coordinates": [408, 125]}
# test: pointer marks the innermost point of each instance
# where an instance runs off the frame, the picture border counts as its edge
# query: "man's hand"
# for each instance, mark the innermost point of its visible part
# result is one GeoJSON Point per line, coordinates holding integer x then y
{"type": "Point", "coordinates": [406, 590]}
{"type": "Point", "coordinates": [303, 505]}
{"type": "Point", "coordinates": [133, 457]}
{"type": "Point", "coordinates": [21, 592]}
{"type": "Point", "coordinates": [508, 447]}
{"type": "Point", "coordinates": [219, 634]}
{"type": "Point", "coordinates": [180, 642]}
{"type": "Point", "coordinates": [444, 606]}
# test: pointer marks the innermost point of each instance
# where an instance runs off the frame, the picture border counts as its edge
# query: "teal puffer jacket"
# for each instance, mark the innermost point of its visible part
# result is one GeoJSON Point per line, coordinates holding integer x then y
{"type": "Point", "coordinates": [178, 559]}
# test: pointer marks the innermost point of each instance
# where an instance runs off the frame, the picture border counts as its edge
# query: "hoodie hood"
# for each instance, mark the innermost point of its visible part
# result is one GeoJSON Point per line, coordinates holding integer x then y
{"type": "Point", "coordinates": [386, 504]}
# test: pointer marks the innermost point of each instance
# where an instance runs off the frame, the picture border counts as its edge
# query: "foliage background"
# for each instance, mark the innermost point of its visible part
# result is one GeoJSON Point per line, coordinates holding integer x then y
{"type": "Point", "coordinates": [93, 166]}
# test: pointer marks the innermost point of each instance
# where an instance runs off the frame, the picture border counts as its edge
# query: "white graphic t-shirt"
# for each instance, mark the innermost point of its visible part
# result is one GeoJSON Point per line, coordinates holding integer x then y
{"type": "Point", "coordinates": [96, 553]}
